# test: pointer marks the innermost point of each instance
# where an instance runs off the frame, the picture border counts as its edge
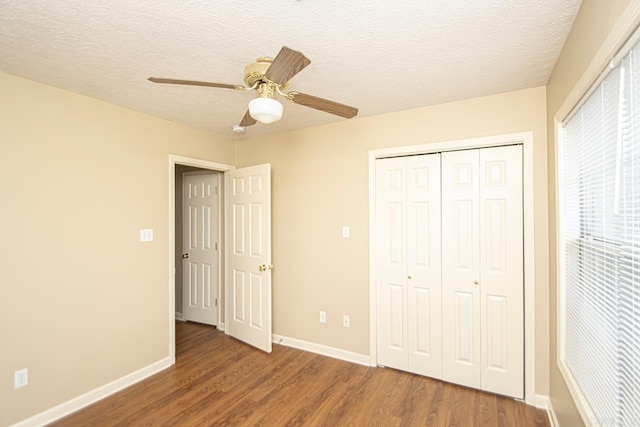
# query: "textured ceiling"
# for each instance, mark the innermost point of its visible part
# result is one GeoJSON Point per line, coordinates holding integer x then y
{"type": "Point", "coordinates": [380, 55]}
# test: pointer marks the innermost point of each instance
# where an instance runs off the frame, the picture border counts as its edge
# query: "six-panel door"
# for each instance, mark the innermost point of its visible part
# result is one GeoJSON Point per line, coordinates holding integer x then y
{"type": "Point", "coordinates": [248, 243]}
{"type": "Point", "coordinates": [200, 247]}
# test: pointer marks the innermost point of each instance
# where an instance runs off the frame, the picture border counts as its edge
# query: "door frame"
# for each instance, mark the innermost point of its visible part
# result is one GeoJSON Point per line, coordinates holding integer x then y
{"type": "Point", "coordinates": [524, 138]}
{"type": "Point", "coordinates": [202, 164]}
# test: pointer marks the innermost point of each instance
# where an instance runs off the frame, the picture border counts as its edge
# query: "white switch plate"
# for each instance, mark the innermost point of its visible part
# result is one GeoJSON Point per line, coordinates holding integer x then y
{"type": "Point", "coordinates": [146, 235]}
{"type": "Point", "coordinates": [323, 317]}
{"type": "Point", "coordinates": [345, 231]}
{"type": "Point", "coordinates": [21, 378]}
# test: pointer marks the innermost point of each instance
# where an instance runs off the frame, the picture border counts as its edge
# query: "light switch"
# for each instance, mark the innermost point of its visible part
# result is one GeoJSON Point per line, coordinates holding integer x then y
{"type": "Point", "coordinates": [146, 235]}
{"type": "Point", "coordinates": [345, 231]}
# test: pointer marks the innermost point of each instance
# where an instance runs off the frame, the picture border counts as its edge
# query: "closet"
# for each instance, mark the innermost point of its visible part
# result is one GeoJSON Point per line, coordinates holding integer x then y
{"type": "Point", "coordinates": [450, 267]}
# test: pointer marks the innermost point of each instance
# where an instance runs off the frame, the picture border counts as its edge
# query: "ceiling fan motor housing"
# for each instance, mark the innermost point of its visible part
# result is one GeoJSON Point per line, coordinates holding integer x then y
{"type": "Point", "coordinates": [255, 71]}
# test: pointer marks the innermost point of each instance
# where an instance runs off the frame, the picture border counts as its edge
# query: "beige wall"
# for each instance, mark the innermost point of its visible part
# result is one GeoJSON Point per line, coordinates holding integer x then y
{"type": "Point", "coordinates": [82, 301]}
{"type": "Point", "coordinates": [320, 183]}
{"type": "Point", "coordinates": [593, 24]}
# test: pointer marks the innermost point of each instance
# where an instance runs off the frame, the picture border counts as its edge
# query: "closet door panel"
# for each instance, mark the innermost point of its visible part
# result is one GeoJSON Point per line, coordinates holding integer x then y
{"type": "Point", "coordinates": [460, 268]}
{"type": "Point", "coordinates": [501, 270]}
{"type": "Point", "coordinates": [424, 326]}
{"type": "Point", "coordinates": [391, 221]}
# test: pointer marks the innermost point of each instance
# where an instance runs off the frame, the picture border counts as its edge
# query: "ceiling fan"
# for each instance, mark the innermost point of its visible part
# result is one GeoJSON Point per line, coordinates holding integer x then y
{"type": "Point", "coordinates": [269, 77]}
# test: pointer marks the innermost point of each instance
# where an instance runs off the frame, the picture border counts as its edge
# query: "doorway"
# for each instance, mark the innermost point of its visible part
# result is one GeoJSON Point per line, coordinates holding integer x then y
{"type": "Point", "coordinates": [216, 221]}
{"type": "Point", "coordinates": [178, 165]}
{"type": "Point", "coordinates": [245, 297]}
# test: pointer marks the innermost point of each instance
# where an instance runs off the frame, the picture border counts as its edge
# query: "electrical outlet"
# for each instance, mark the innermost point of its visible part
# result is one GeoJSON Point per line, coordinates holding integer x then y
{"type": "Point", "coordinates": [146, 235]}
{"type": "Point", "coordinates": [346, 321]}
{"type": "Point", "coordinates": [20, 378]}
{"type": "Point", "coordinates": [323, 317]}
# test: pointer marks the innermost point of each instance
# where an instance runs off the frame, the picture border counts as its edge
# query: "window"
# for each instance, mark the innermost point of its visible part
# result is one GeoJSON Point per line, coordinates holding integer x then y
{"type": "Point", "coordinates": [599, 188]}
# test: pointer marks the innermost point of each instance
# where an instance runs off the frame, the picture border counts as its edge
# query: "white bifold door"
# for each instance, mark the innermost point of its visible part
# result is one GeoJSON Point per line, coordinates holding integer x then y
{"type": "Point", "coordinates": [248, 254]}
{"type": "Point", "coordinates": [409, 279]}
{"type": "Point", "coordinates": [482, 280]}
{"type": "Point", "coordinates": [450, 267]}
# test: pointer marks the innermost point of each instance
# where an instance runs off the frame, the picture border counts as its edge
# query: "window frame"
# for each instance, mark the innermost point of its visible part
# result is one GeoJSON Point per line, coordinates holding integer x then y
{"type": "Point", "coordinates": [622, 38]}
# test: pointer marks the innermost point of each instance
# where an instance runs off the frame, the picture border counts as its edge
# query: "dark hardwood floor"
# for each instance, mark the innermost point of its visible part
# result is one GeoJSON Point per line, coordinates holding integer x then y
{"type": "Point", "coordinates": [220, 381]}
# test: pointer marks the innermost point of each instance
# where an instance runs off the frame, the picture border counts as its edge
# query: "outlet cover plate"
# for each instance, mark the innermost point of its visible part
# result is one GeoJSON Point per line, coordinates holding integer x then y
{"type": "Point", "coordinates": [21, 378]}
{"type": "Point", "coordinates": [346, 321]}
{"type": "Point", "coordinates": [146, 235]}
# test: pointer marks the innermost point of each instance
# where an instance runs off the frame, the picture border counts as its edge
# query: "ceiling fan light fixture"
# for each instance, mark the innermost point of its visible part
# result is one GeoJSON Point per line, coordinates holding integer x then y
{"type": "Point", "coordinates": [265, 110]}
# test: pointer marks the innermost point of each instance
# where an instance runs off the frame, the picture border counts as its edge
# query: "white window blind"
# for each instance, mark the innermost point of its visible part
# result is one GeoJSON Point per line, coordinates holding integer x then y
{"type": "Point", "coordinates": [600, 248]}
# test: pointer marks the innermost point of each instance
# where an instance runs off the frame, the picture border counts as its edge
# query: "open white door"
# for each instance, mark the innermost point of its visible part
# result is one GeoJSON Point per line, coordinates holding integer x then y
{"type": "Point", "coordinates": [248, 255]}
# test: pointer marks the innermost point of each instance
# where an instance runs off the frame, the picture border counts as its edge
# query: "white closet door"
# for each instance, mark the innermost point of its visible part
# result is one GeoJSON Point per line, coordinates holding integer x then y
{"type": "Point", "coordinates": [482, 250]}
{"type": "Point", "coordinates": [409, 299]}
{"type": "Point", "coordinates": [424, 334]}
{"type": "Point", "coordinates": [392, 262]}
{"type": "Point", "coordinates": [461, 268]}
{"type": "Point", "coordinates": [501, 274]}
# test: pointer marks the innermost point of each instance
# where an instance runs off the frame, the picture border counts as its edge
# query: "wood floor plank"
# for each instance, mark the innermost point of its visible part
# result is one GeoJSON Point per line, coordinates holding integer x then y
{"type": "Point", "coordinates": [219, 381]}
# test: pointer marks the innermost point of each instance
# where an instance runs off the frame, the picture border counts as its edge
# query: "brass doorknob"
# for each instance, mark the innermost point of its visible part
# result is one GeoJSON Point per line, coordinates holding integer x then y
{"type": "Point", "coordinates": [475, 282]}
{"type": "Point", "coordinates": [185, 256]}
{"type": "Point", "coordinates": [409, 277]}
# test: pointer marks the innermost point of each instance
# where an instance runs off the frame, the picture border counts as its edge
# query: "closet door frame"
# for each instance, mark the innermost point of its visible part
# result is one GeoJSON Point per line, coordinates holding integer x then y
{"type": "Point", "coordinates": [524, 138]}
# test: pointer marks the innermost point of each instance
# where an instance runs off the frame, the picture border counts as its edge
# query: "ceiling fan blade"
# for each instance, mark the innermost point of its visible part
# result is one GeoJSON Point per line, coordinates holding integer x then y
{"type": "Point", "coordinates": [286, 64]}
{"type": "Point", "coordinates": [247, 120]}
{"type": "Point", "coordinates": [324, 105]}
{"type": "Point", "coordinates": [190, 83]}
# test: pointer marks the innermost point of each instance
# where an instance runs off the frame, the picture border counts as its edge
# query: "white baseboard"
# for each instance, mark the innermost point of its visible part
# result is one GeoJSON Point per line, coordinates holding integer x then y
{"type": "Point", "coordinates": [179, 316]}
{"type": "Point", "coordinates": [75, 404]}
{"type": "Point", "coordinates": [220, 326]}
{"type": "Point", "coordinates": [553, 419]}
{"type": "Point", "coordinates": [541, 401]}
{"type": "Point", "coordinates": [336, 353]}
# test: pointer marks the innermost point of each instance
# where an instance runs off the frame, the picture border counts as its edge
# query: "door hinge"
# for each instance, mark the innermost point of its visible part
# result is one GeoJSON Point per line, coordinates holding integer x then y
{"type": "Point", "coordinates": [216, 302]}
{"type": "Point", "coordinates": [215, 190]}
{"type": "Point", "coordinates": [216, 246]}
